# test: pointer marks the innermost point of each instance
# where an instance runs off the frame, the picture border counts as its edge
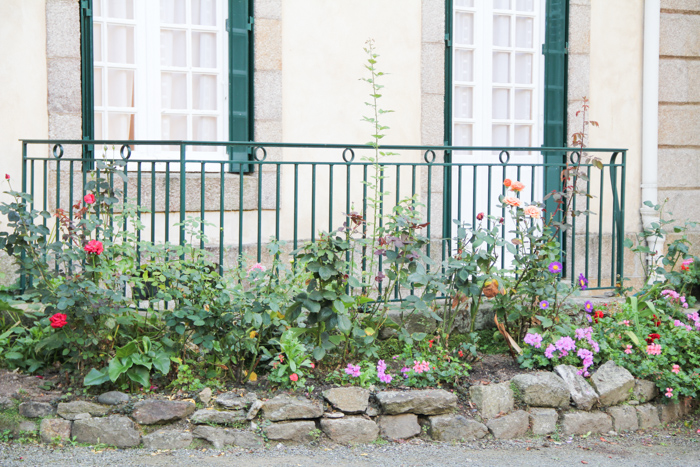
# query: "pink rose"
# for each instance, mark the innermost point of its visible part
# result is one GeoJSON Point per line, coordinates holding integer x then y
{"type": "Point", "coordinates": [533, 211]}
{"type": "Point", "coordinates": [512, 201]}
{"type": "Point", "coordinates": [517, 186]}
{"type": "Point", "coordinates": [89, 198]}
{"type": "Point", "coordinates": [94, 246]}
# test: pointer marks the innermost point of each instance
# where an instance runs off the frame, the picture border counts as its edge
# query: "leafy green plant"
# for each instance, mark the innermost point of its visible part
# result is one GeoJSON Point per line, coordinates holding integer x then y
{"type": "Point", "coordinates": [289, 367]}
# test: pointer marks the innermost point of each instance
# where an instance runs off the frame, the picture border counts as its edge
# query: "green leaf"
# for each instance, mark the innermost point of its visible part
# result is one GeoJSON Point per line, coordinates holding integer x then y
{"type": "Point", "coordinates": [95, 377]}
{"type": "Point", "coordinates": [162, 363]}
{"type": "Point", "coordinates": [118, 366]}
{"type": "Point", "coordinates": [319, 353]}
{"type": "Point", "coordinates": [546, 322]}
{"type": "Point", "coordinates": [127, 350]}
{"type": "Point", "coordinates": [13, 355]}
{"type": "Point", "coordinates": [634, 337]}
{"type": "Point", "coordinates": [325, 272]}
{"type": "Point", "coordinates": [140, 375]}
{"type": "Point", "coordinates": [344, 324]}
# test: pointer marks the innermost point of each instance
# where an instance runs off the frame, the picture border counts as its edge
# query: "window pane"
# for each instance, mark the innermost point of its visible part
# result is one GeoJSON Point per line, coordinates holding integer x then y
{"type": "Point", "coordinates": [500, 104]}
{"type": "Point", "coordinates": [523, 104]}
{"type": "Point", "coordinates": [464, 65]}
{"type": "Point", "coordinates": [120, 126]}
{"type": "Point", "coordinates": [97, 8]}
{"type": "Point", "coordinates": [204, 12]}
{"type": "Point", "coordinates": [501, 67]}
{"type": "Point", "coordinates": [464, 28]}
{"type": "Point", "coordinates": [501, 31]}
{"type": "Point", "coordinates": [98, 125]}
{"type": "Point", "coordinates": [522, 136]}
{"type": "Point", "coordinates": [173, 47]}
{"type": "Point", "coordinates": [524, 5]}
{"type": "Point", "coordinates": [121, 44]}
{"type": "Point", "coordinates": [204, 50]}
{"type": "Point", "coordinates": [123, 9]}
{"type": "Point", "coordinates": [501, 4]}
{"type": "Point", "coordinates": [173, 11]}
{"type": "Point", "coordinates": [523, 68]}
{"type": "Point", "coordinates": [464, 3]}
{"type": "Point", "coordinates": [463, 134]}
{"type": "Point", "coordinates": [204, 92]}
{"type": "Point", "coordinates": [173, 90]}
{"type": "Point", "coordinates": [98, 86]}
{"type": "Point", "coordinates": [97, 42]}
{"type": "Point", "coordinates": [121, 88]}
{"type": "Point", "coordinates": [523, 32]}
{"type": "Point", "coordinates": [463, 102]}
{"type": "Point", "coordinates": [500, 135]}
{"type": "Point", "coordinates": [204, 129]}
{"type": "Point", "coordinates": [174, 127]}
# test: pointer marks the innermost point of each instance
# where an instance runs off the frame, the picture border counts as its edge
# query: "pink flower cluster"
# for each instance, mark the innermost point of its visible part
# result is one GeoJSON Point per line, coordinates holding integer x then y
{"type": "Point", "coordinates": [669, 392]}
{"type": "Point", "coordinates": [675, 297]}
{"type": "Point", "coordinates": [587, 357]}
{"type": "Point", "coordinates": [534, 340]}
{"type": "Point", "coordinates": [257, 267]}
{"type": "Point", "coordinates": [353, 370]}
{"type": "Point", "coordinates": [381, 369]}
{"type": "Point", "coordinates": [680, 324]}
{"type": "Point", "coordinates": [654, 349]}
{"type": "Point", "coordinates": [420, 367]}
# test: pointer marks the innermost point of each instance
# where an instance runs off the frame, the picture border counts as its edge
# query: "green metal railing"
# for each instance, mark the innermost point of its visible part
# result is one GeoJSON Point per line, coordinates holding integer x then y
{"type": "Point", "coordinates": [313, 187]}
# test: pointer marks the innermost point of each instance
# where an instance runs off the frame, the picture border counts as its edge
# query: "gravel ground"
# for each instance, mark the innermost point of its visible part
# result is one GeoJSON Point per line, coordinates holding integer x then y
{"type": "Point", "coordinates": [677, 446]}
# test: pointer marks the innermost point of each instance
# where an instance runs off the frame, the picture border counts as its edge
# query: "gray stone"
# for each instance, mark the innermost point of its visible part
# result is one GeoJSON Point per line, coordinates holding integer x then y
{"type": "Point", "coordinates": [218, 417]}
{"type": "Point", "coordinates": [648, 416]}
{"type": "Point", "coordinates": [580, 423]}
{"type": "Point", "coordinates": [670, 412]}
{"type": "Point", "coordinates": [6, 403]}
{"type": "Point", "coordinates": [583, 395]}
{"type": "Point", "coordinates": [113, 398]}
{"type": "Point", "coordinates": [372, 410]}
{"type": "Point", "coordinates": [247, 440]}
{"type": "Point", "coordinates": [28, 426]}
{"type": "Point", "coordinates": [115, 430]}
{"type": "Point", "coordinates": [456, 428]}
{"type": "Point", "coordinates": [543, 421]}
{"type": "Point", "coordinates": [82, 416]}
{"type": "Point", "coordinates": [167, 439]}
{"type": "Point", "coordinates": [231, 400]}
{"type": "Point", "coordinates": [254, 409]}
{"type": "Point", "coordinates": [423, 402]}
{"type": "Point", "coordinates": [624, 418]}
{"type": "Point", "coordinates": [492, 399]}
{"type": "Point", "coordinates": [350, 430]}
{"type": "Point", "coordinates": [219, 437]}
{"type": "Point", "coordinates": [509, 426]}
{"type": "Point", "coordinates": [69, 410]}
{"type": "Point", "coordinates": [543, 389]}
{"type": "Point", "coordinates": [353, 399]}
{"type": "Point", "coordinates": [402, 426]}
{"type": "Point", "coordinates": [613, 383]}
{"type": "Point", "coordinates": [644, 391]}
{"type": "Point", "coordinates": [54, 428]}
{"type": "Point", "coordinates": [291, 432]}
{"type": "Point", "coordinates": [36, 409]}
{"type": "Point", "coordinates": [205, 396]}
{"type": "Point", "coordinates": [284, 407]}
{"type": "Point", "coordinates": [151, 412]}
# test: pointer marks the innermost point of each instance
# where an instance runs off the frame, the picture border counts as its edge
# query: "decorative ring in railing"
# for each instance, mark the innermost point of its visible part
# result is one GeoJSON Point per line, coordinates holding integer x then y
{"type": "Point", "coordinates": [59, 147]}
{"type": "Point", "coordinates": [425, 156]}
{"type": "Point", "coordinates": [500, 157]}
{"type": "Point", "coordinates": [575, 157]}
{"type": "Point", "coordinates": [128, 152]}
{"type": "Point", "coordinates": [255, 153]}
{"type": "Point", "coordinates": [352, 155]}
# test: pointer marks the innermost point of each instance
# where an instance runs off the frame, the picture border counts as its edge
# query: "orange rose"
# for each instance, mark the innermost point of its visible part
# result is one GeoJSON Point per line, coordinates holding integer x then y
{"type": "Point", "coordinates": [507, 182]}
{"type": "Point", "coordinates": [512, 200]}
{"type": "Point", "coordinates": [517, 186]}
{"type": "Point", "coordinates": [533, 211]}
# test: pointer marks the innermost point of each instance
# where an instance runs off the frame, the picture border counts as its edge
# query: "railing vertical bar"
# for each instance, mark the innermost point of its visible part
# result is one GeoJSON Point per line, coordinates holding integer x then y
{"type": "Point", "coordinates": [111, 206]}
{"type": "Point", "coordinates": [572, 258]}
{"type": "Point", "coordinates": [600, 222]}
{"type": "Point", "coordinates": [153, 202]}
{"type": "Point", "coordinates": [621, 241]}
{"type": "Point", "coordinates": [222, 207]}
{"type": "Point", "coordinates": [398, 189]}
{"type": "Point", "coordinates": [296, 206]}
{"type": "Point", "coordinates": [330, 197]}
{"type": "Point", "coordinates": [183, 193]}
{"type": "Point", "coordinates": [240, 217]}
{"type": "Point", "coordinates": [58, 205]}
{"type": "Point", "coordinates": [202, 199]}
{"type": "Point", "coordinates": [364, 216]}
{"type": "Point", "coordinates": [588, 223]}
{"type": "Point", "coordinates": [138, 210]}
{"type": "Point", "coordinates": [277, 201]}
{"type": "Point", "coordinates": [23, 278]}
{"type": "Point", "coordinates": [167, 202]}
{"type": "Point", "coordinates": [313, 202]}
{"type": "Point", "coordinates": [260, 182]}
{"type": "Point", "coordinates": [613, 237]}
{"type": "Point", "coordinates": [428, 209]}
{"type": "Point", "coordinates": [71, 171]}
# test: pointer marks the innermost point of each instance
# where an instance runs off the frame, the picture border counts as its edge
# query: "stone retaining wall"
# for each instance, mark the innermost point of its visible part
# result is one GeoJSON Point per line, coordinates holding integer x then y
{"type": "Point", "coordinates": [538, 403]}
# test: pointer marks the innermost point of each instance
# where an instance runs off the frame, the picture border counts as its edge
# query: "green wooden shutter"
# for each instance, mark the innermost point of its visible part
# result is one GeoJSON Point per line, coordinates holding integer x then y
{"type": "Point", "coordinates": [555, 91]}
{"type": "Point", "coordinates": [87, 79]}
{"type": "Point", "coordinates": [240, 34]}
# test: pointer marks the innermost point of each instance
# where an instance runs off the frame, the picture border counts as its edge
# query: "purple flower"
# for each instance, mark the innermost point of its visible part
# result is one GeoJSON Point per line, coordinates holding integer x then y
{"type": "Point", "coordinates": [588, 306]}
{"type": "Point", "coordinates": [381, 368]}
{"type": "Point", "coordinates": [582, 281]}
{"type": "Point", "coordinates": [555, 267]}
{"type": "Point", "coordinates": [353, 370]}
{"type": "Point", "coordinates": [565, 344]}
{"type": "Point", "coordinates": [380, 276]}
{"type": "Point", "coordinates": [385, 378]}
{"type": "Point", "coordinates": [544, 304]}
{"type": "Point", "coordinates": [549, 352]}
{"type": "Point", "coordinates": [534, 340]}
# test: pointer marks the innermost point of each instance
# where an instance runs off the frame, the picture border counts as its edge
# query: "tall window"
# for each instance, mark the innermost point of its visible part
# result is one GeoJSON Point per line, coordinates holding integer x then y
{"type": "Point", "coordinates": [163, 69]}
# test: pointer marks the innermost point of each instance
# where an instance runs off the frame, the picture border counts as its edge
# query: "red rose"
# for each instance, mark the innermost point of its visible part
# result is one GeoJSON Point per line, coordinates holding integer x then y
{"type": "Point", "coordinates": [94, 246]}
{"type": "Point", "coordinates": [58, 320]}
{"type": "Point", "coordinates": [7, 176]}
{"type": "Point", "coordinates": [294, 377]}
{"type": "Point", "coordinates": [480, 216]}
{"type": "Point", "coordinates": [89, 198]}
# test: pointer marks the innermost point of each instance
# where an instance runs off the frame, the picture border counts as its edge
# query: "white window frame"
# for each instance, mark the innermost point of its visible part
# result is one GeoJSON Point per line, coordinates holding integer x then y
{"type": "Point", "coordinates": [147, 79]}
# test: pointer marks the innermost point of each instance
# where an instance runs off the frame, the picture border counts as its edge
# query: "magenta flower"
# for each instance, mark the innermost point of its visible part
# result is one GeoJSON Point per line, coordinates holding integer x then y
{"type": "Point", "coordinates": [353, 370]}
{"type": "Point", "coordinates": [582, 281]}
{"type": "Point", "coordinates": [588, 306]}
{"type": "Point", "coordinates": [654, 349]}
{"type": "Point", "coordinates": [676, 369]}
{"type": "Point", "coordinates": [555, 267]}
{"type": "Point", "coordinates": [544, 304]}
{"type": "Point", "coordinates": [669, 392]}
{"type": "Point", "coordinates": [549, 352]}
{"type": "Point", "coordinates": [534, 340]}
{"type": "Point", "coordinates": [628, 350]}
